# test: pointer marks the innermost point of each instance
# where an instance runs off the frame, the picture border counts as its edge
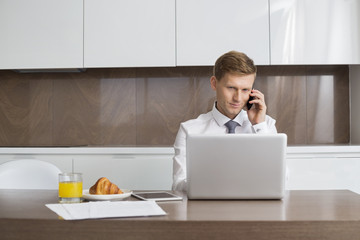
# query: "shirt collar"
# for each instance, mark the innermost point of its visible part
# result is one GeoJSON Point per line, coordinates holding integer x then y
{"type": "Point", "coordinates": [221, 119]}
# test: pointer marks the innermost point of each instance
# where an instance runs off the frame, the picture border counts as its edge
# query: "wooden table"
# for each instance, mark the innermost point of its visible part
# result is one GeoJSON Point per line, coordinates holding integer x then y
{"type": "Point", "coordinates": [300, 215]}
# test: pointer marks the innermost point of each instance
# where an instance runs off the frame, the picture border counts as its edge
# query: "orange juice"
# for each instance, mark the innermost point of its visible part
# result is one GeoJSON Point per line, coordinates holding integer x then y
{"type": "Point", "coordinates": [70, 189]}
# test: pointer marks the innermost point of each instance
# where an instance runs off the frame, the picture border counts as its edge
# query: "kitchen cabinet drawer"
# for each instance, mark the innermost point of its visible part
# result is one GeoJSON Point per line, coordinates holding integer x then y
{"type": "Point", "coordinates": [129, 33]}
{"type": "Point", "coordinates": [315, 31]}
{"type": "Point", "coordinates": [207, 29]}
{"type": "Point", "coordinates": [41, 34]}
{"type": "Point", "coordinates": [135, 172]}
{"type": "Point", "coordinates": [323, 173]}
{"type": "Point", "coordinates": [62, 162]}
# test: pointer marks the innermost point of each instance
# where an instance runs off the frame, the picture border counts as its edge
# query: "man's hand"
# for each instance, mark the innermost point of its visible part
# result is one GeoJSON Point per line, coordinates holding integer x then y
{"type": "Point", "coordinates": [257, 112]}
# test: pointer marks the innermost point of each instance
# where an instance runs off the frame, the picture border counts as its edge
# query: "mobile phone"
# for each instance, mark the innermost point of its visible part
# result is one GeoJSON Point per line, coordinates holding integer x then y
{"type": "Point", "coordinates": [249, 105]}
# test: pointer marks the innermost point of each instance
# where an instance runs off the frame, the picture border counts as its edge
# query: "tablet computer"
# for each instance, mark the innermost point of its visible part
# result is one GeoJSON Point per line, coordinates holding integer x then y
{"type": "Point", "coordinates": [157, 196]}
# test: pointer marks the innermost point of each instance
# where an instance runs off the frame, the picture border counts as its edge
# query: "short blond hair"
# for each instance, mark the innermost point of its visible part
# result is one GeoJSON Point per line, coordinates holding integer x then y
{"type": "Point", "coordinates": [234, 62]}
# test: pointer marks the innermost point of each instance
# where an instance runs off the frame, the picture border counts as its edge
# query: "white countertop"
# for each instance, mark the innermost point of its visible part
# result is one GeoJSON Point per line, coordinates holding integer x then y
{"type": "Point", "coordinates": [88, 150]}
{"type": "Point", "coordinates": [349, 151]}
{"type": "Point", "coordinates": [292, 151]}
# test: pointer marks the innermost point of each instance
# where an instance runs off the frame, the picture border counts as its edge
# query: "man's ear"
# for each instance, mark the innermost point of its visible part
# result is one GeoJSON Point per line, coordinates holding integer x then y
{"type": "Point", "coordinates": [213, 82]}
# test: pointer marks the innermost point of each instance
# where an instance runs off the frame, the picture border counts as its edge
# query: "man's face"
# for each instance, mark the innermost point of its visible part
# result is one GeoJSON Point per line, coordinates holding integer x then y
{"type": "Point", "coordinates": [232, 92]}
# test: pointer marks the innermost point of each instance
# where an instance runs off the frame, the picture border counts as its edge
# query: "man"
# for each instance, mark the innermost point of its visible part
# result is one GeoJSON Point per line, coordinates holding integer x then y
{"type": "Point", "coordinates": [233, 79]}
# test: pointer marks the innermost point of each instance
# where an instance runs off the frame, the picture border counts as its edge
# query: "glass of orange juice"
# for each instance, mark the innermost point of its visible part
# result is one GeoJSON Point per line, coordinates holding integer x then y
{"type": "Point", "coordinates": [70, 187]}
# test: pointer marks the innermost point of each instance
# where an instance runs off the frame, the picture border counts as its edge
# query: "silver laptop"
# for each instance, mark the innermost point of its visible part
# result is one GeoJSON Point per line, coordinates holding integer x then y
{"type": "Point", "coordinates": [236, 166]}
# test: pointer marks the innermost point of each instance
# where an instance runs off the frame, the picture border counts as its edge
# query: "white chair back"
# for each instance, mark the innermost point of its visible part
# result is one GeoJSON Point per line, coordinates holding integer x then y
{"type": "Point", "coordinates": [28, 174]}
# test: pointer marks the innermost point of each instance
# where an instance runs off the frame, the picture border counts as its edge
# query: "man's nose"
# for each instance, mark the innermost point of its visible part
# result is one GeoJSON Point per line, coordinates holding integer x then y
{"type": "Point", "coordinates": [237, 95]}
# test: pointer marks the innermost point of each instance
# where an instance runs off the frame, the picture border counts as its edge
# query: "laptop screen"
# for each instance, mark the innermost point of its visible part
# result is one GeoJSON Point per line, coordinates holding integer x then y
{"type": "Point", "coordinates": [236, 166]}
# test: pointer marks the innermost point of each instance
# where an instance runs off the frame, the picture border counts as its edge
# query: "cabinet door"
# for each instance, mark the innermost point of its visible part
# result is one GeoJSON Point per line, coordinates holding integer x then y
{"type": "Point", "coordinates": [129, 33]}
{"type": "Point", "coordinates": [208, 28]}
{"type": "Point", "coordinates": [135, 172]}
{"type": "Point", "coordinates": [315, 31]}
{"type": "Point", "coordinates": [323, 173]}
{"type": "Point", "coordinates": [64, 163]}
{"type": "Point", "coordinates": [41, 34]}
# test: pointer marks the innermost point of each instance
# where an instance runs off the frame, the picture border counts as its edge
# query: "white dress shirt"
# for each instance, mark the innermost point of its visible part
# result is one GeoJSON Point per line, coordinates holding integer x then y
{"type": "Point", "coordinates": [212, 122]}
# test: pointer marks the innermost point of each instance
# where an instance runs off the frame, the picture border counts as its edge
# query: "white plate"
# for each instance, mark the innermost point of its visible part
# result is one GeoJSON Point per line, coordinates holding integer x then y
{"type": "Point", "coordinates": [126, 193]}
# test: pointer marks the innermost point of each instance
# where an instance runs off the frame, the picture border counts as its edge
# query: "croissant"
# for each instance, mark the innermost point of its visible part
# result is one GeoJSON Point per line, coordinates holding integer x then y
{"type": "Point", "coordinates": [104, 186]}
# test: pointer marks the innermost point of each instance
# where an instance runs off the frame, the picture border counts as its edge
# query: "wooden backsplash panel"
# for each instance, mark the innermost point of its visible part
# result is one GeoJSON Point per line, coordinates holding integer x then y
{"type": "Point", "coordinates": [310, 103]}
{"type": "Point", "coordinates": [25, 110]}
{"type": "Point", "coordinates": [328, 116]}
{"type": "Point", "coordinates": [95, 108]}
{"type": "Point", "coordinates": [118, 107]}
{"type": "Point", "coordinates": [168, 96]}
{"type": "Point", "coordinates": [285, 97]}
{"type": "Point", "coordinates": [144, 106]}
{"type": "Point", "coordinates": [77, 111]}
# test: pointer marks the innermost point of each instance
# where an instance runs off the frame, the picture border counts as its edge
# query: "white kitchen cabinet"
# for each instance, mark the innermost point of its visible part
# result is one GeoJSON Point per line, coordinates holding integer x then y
{"type": "Point", "coordinates": [323, 174]}
{"type": "Point", "coordinates": [129, 33]}
{"type": "Point", "coordinates": [129, 168]}
{"type": "Point", "coordinates": [62, 162]}
{"type": "Point", "coordinates": [135, 172]}
{"type": "Point", "coordinates": [315, 31]}
{"type": "Point", "coordinates": [41, 34]}
{"type": "Point", "coordinates": [309, 167]}
{"type": "Point", "coordinates": [208, 28]}
{"type": "Point", "coordinates": [323, 168]}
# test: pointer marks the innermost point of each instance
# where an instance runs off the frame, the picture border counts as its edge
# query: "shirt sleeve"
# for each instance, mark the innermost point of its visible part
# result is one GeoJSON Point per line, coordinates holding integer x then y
{"type": "Point", "coordinates": [179, 161]}
{"type": "Point", "coordinates": [268, 126]}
